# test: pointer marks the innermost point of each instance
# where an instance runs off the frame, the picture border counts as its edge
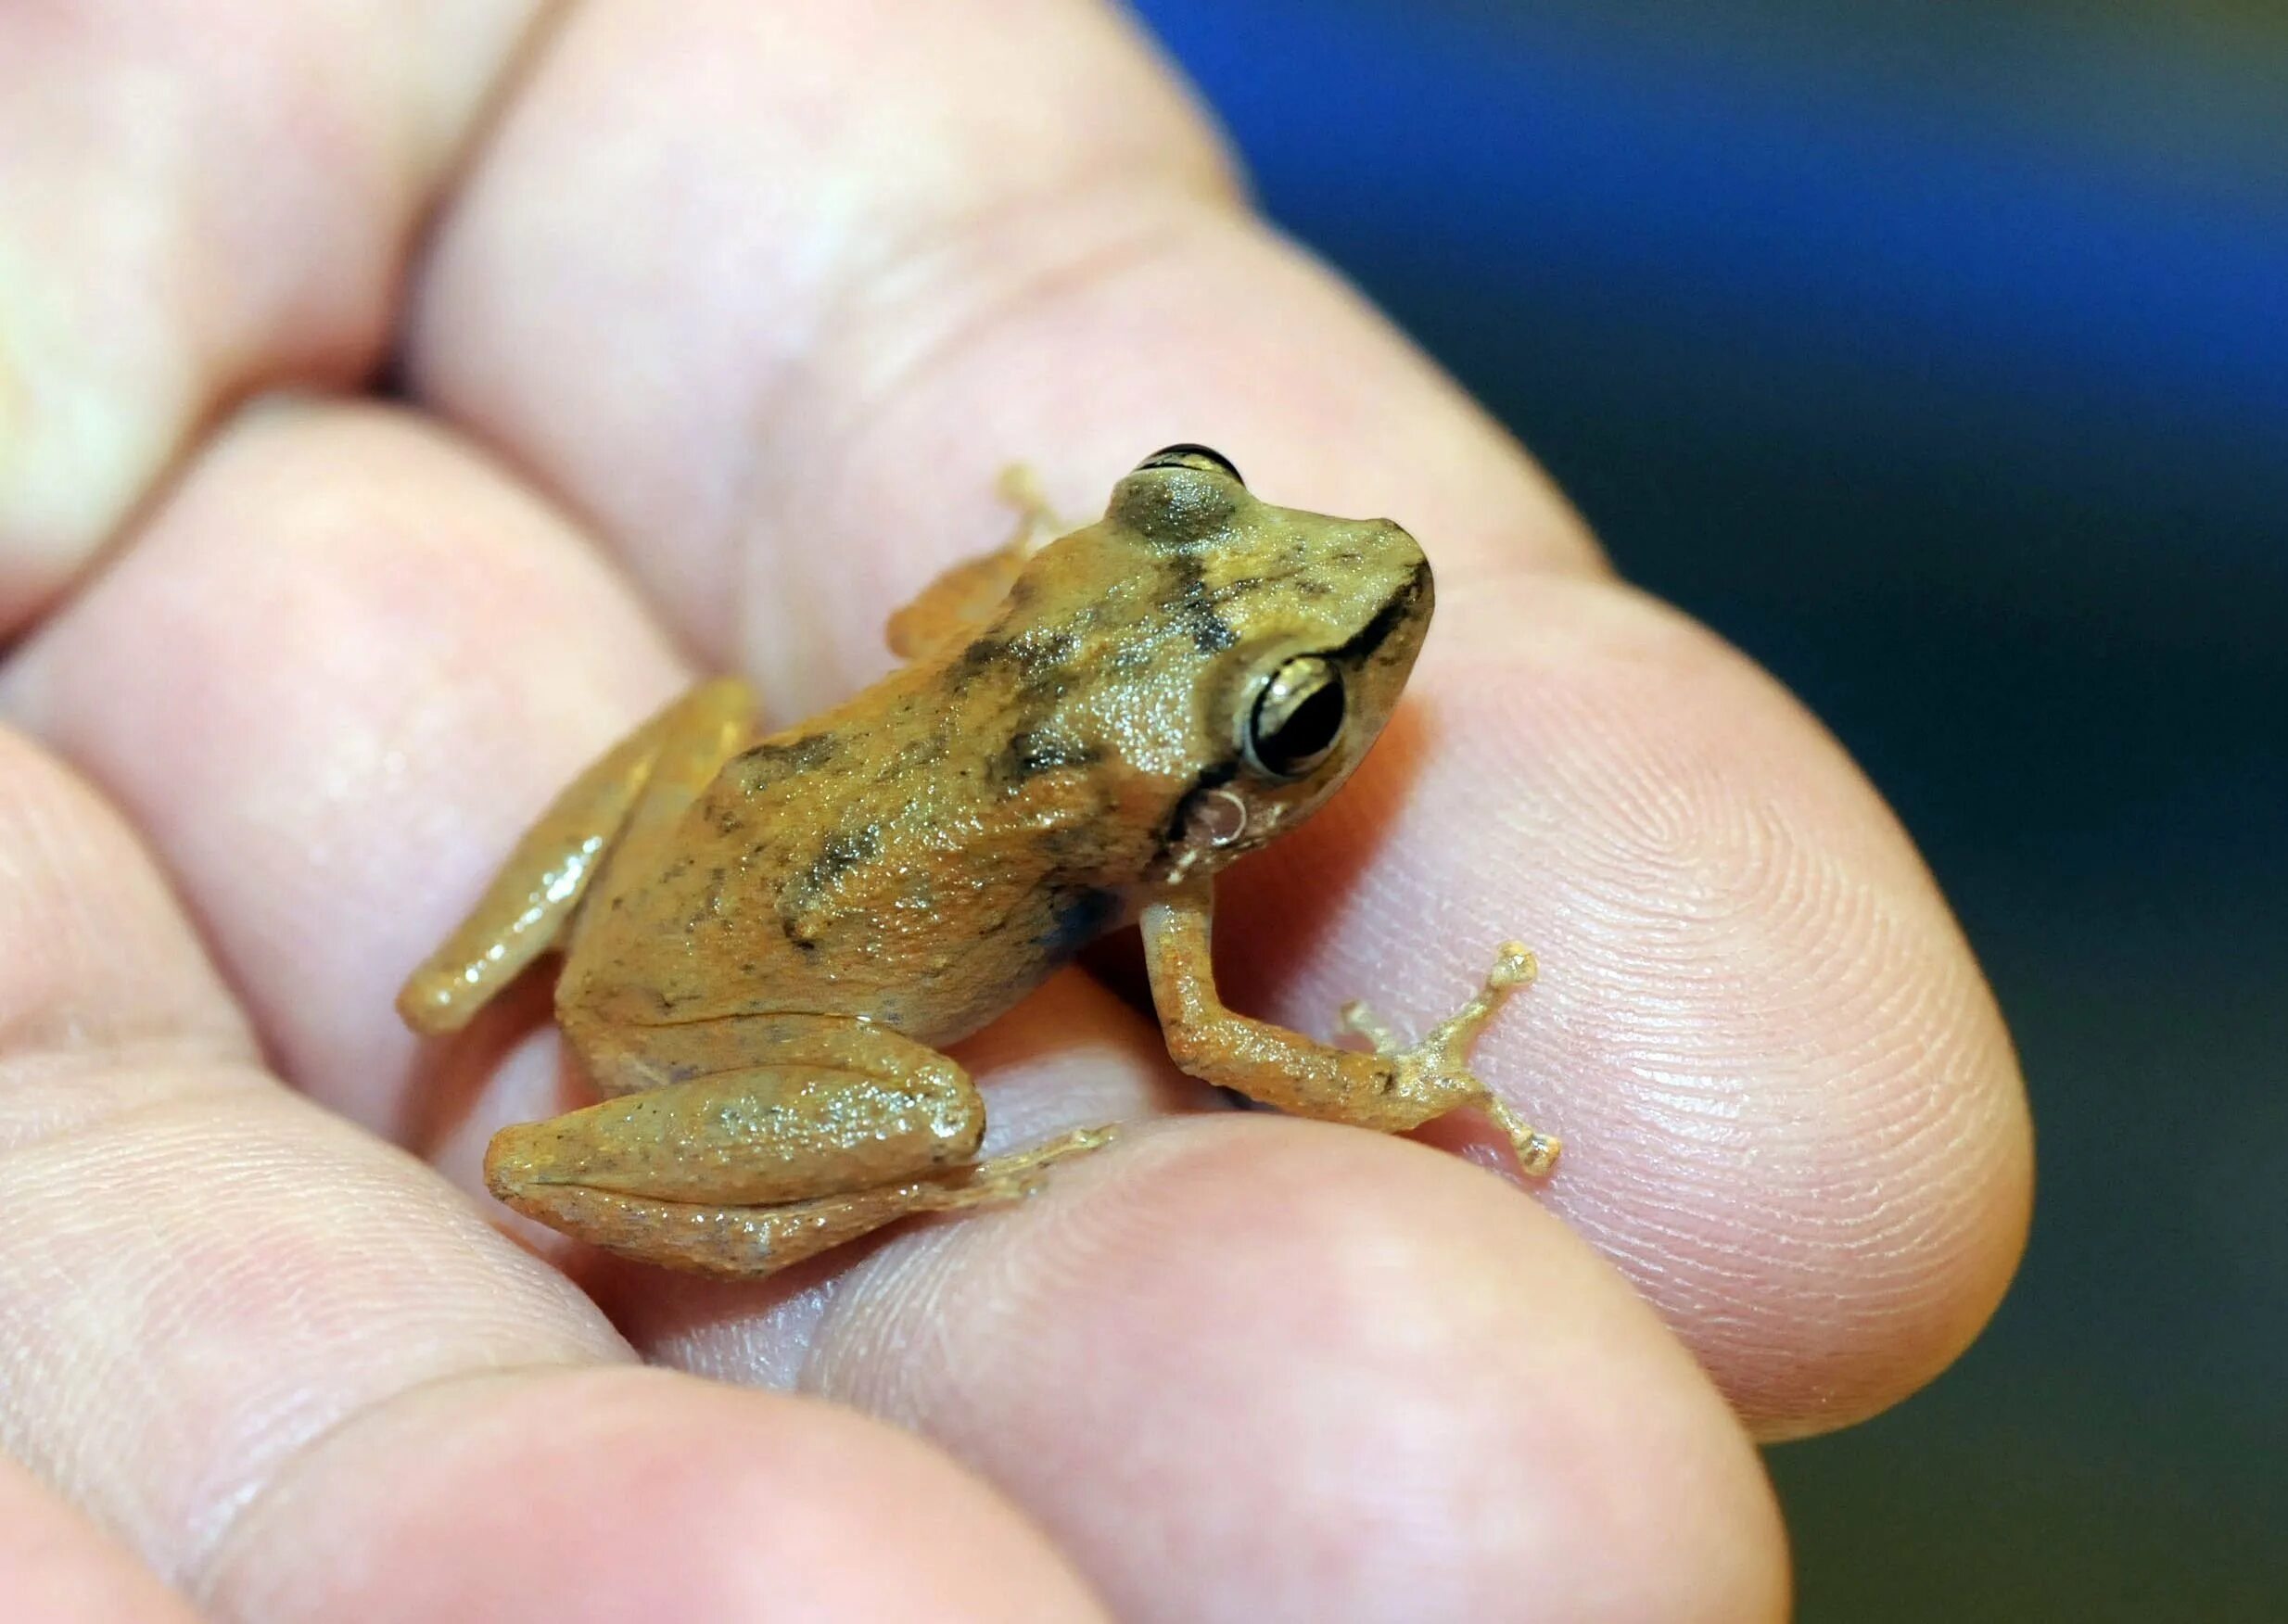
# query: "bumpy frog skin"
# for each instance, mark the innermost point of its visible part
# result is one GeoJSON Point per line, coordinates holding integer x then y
{"type": "Point", "coordinates": [766, 940]}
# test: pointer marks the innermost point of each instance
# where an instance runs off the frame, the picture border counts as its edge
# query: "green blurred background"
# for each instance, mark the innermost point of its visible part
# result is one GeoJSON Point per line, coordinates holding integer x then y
{"type": "Point", "coordinates": [1938, 356]}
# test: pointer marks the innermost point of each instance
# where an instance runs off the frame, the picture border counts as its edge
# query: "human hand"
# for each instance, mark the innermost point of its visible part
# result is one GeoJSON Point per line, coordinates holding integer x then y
{"type": "Point", "coordinates": [714, 322]}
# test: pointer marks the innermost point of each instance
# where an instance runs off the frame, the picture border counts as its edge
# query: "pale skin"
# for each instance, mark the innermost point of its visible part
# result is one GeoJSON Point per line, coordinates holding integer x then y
{"type": "Point", "coordinates": [704, 329]}
{"type": "Point", "coordinates": [1089, 730]}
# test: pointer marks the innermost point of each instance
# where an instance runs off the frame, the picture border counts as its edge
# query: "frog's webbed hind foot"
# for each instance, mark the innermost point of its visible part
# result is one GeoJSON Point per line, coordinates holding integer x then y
{"type": "Point", "coordinates": [1444, 1054]}
{"type": "Point", "coordinates": [746, 1242]}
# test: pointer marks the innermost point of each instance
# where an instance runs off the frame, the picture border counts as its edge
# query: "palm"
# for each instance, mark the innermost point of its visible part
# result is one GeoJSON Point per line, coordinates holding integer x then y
{"type": "Point", "coordinates": [756, 303]}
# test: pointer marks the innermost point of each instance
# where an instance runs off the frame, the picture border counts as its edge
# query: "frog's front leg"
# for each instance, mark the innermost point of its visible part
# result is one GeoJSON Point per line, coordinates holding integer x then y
{"type": "Point", "coordinates": [738, 1146]}
{"type": "Point", "coordinates": [1396, 1088]}
{"type": "Point", "coordinates": [634, 791]}
{"type": "Point", "coordinates": [965, 596]}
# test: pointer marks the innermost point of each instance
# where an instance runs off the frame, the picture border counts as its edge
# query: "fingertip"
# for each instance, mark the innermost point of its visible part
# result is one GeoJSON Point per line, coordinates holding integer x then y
{"type": "Point", "coordinates": [1466, 1414]}
{"type": "Point", "coordinates": [1793, 1115]}
{"type": "Point", "coordinates": [625, 1494]}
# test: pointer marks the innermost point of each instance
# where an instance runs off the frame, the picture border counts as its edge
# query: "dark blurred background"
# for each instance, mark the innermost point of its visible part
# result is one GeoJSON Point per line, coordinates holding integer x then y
{"type": "Point", "coordinates": [1938, 355]}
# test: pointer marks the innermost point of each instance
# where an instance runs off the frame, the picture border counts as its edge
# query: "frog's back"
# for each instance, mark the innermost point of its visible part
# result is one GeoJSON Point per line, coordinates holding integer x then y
{"type": "Point", "coordinates": [874, 863]}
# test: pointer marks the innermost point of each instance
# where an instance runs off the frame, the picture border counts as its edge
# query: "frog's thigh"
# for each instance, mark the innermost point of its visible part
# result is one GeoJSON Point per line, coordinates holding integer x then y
{"type": "Point", "coordinates": [751, 1141]}
{"type": "Point", "coordinates": [527, 910]}
{"type": "Point", "coordinates": [751, 1109]}
{"type": "Point", "coordinates": [735, 1146]}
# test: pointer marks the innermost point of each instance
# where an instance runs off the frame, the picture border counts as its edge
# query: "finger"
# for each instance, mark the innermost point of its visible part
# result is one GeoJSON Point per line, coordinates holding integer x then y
{"type": "Point", "coordinates": [195, 199]}
{"type": "Point", "coordinates": [777, 336]}
{"type": "Point", "coordinates": [497, 1502]}
{"type": "Point", "coordinates": [1248, 1369]}
{"type": "Point", "coordinates": [55, 1568]}
{"type": "Point", "coordinates": [1792, 1112]}
{"type": "Point", "coordinates": [290, 683]}
{"type": "Point", "coordinates": [298, 1376]}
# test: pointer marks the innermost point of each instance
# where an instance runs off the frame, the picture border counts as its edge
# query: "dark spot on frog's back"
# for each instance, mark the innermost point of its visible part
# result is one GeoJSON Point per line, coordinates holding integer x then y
{"type": "Point", "coordinates": [843, 851]}
{"type": "Point", "coordinates": [768, 763]}
{"type": "Point", "coordinates": [978, 657]}
{"type": "Point", "coordinates": [1078, 918]}
{"type": "Point", "coordinates": [803, 908]}
{"type": "Point", "coordinates": [1032, 753]}
{"type": "Point", "coordinates": [1196, 613]}
{"type": "Point", "coordinates": [1039, 655]}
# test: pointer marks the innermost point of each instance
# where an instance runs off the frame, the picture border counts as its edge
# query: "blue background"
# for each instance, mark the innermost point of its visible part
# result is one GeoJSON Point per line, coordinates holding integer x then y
{"type": "Point", "coordinates": [1938, 355]}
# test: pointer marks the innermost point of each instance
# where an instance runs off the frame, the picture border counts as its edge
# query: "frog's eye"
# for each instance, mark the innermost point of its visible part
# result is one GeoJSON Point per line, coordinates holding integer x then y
{"type": "Point", "coordinates": [1297, 719]}
{"type": "Point", "coordinates": [1202, 457]}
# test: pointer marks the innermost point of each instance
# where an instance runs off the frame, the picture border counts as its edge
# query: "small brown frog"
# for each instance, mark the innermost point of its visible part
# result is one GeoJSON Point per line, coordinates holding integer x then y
{"type": "Point", "coordinates": [765, 940]}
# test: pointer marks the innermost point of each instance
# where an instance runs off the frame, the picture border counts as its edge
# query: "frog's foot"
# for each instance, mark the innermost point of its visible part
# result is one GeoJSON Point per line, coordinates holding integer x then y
{"type": "Point", "coordinates": [1012, 1177]}
{"type": "Point", "coordinates": [1438, 1067]}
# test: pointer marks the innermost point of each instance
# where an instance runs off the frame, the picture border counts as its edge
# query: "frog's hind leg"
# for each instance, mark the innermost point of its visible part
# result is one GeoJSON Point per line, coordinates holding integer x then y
{"type": "Point", "coordinates": [747, 1242]}
{"type": "Point", "coordinates": [707, 1160]}
{"type": "Point", "coordinates": [638, 787]}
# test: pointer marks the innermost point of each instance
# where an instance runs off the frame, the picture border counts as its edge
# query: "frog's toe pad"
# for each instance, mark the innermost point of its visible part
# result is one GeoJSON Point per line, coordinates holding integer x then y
{"type": "Point", "coordinates": [1537, 1154]}
{"type": "Point", "coordinates": [1513, 966]}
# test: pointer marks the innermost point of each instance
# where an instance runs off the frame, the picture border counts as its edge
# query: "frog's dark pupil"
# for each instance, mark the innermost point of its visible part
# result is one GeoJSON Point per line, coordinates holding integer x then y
{"type": "Point", "coordinates": [1305, 736]}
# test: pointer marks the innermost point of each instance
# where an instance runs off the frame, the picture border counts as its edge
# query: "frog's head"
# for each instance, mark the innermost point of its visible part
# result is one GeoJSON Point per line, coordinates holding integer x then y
{"type": "Point", "coordinates": [1290, 633]}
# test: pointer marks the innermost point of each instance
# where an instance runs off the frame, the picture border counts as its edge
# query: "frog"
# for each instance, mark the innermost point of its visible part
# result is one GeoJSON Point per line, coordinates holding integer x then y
{"type": "Point", "coordinates": [766, 940]}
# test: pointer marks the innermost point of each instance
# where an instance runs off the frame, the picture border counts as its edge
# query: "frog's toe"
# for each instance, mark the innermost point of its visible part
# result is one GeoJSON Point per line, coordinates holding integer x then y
{"type": "Point", "coordinates": [1537, 1152]}
{"type": "Point", "coordinates": [1513, 966]}
{"type": "Point", "coordinates": [1358, 1020]}
{"type": "Point", "coordinates": [1078, 1142]}
{"type": "Point", "coordinates": [1019, 1174]}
